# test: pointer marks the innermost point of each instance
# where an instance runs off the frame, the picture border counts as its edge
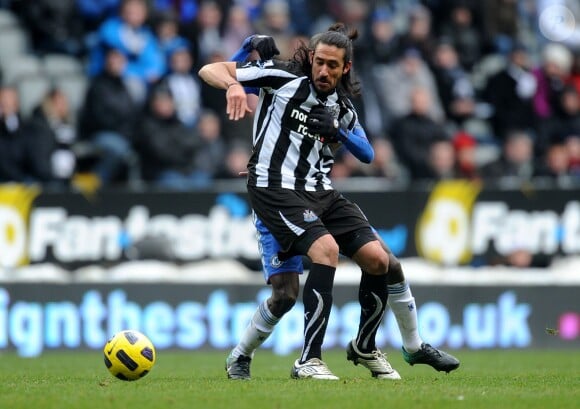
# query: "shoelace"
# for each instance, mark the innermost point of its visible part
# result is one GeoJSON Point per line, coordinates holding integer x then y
{"type": "Point", "coordinates": [430, 350]}
{"type": "Point", "coordinates": [244, 360]}
{"type": "Point", "coordinates": [378, 363]}
{"type": "Point", "coordinates": [322, 368]}
{"type": "Point", "coordinates": [382, 358]}
{"type": "Point", "coordinates": [243, 364]}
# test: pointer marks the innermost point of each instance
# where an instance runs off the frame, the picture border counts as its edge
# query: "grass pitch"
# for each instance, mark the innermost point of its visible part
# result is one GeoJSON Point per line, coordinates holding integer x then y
{"type": "Point", "coordinates": [490, 379]}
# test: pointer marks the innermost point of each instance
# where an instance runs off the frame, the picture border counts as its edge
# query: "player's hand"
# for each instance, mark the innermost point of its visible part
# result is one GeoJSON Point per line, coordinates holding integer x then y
{"type": "Point", "coordinates": [323, 123]}
{"type": "Point", "coordinates": [237, 102]}
{"type": "Point", "coordinates": [265, 46]}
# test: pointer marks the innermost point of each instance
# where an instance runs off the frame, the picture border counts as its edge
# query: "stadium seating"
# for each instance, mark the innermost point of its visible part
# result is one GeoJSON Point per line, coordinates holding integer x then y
{"type": "Point", "coordinates": [31, 90]}
{"type": "Point", "coordinates": [74, 87]}
{"type": "Point", "coordinates": [55, 65]}
{"type": "Point", "coordinates": [20, 66]}
{"type": "Point", "coordinates": [13, 41]}
{"type": "Point", "coordinates": [8, 20]}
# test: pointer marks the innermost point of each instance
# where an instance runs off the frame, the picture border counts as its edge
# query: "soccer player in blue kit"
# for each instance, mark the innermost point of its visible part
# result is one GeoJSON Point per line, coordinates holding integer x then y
{"type": "Point", "coordinates": [294, 155]}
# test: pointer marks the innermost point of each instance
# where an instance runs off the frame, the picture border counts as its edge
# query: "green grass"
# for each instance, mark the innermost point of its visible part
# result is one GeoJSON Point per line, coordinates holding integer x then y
{"type": "Point", "coordinates": [491, 379]}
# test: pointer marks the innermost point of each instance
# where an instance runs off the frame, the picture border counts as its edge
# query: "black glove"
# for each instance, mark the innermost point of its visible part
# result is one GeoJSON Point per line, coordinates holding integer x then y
{"type": "Point", "coordinates": [323, 123]}
{"type": "Point", "coordinates": [265, 46]}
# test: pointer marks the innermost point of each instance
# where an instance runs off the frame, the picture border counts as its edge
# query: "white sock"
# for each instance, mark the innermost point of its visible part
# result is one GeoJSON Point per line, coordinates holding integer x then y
{"type": "Point", "coordinates": [257, 331]}
{"type": "Point", "coordinates": [403, 306]}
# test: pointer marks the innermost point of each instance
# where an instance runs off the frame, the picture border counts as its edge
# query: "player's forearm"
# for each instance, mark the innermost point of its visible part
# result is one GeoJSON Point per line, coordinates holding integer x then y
{"type": "Point", "coordinates": [357, 143]}
{"type": "Point", "coordinates": [220, 75]}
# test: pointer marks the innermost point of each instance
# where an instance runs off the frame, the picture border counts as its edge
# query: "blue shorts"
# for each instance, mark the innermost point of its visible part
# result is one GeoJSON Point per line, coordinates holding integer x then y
{"type": "Point", "coordinates": [269, 249]}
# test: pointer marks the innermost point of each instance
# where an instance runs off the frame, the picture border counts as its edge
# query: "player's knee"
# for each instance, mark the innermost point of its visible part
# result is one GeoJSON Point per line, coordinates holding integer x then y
{"type": "Point", "coordinates": [395, 265]}
{"type": "Point", "coordinates": [332, 250]}
{"type": "Point", "coordinates": [372, 258]}
{"type": "Point", "coordinates": [395, 272]}
{"type": "Point", "coordinates": [378, 263]}
{"type": "Point", "coordinates": [282, 301]}
{"type": "Point", "coordinates": [324, 251]}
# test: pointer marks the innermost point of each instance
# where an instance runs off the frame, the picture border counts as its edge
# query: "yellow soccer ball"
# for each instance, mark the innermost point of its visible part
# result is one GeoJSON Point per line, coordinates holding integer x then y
{"type": "Point", "coordinates": [129, 355]}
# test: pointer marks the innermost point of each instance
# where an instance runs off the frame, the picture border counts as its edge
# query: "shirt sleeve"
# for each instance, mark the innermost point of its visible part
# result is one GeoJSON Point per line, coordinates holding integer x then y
{"type": "Point", "coordinates": [264, 74]}
{"type": "Point", "coordinates": [353, 135]}
{"type": "Point", "coordinates": [357, 143]}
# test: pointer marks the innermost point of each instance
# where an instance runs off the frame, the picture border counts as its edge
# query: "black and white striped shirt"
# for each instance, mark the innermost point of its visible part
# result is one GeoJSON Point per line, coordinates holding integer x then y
{"type": "Point", "coordinates": [285, 154]}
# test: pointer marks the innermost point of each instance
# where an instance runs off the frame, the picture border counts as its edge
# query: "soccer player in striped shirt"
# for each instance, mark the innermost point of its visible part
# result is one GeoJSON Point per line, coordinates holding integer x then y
{"type": "Point", "coordinates": [303, 113]}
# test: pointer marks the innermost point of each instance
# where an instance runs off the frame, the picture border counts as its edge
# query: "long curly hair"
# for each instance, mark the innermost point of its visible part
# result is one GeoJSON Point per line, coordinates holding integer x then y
{"type": "Point", "coordinates": [339, 36]}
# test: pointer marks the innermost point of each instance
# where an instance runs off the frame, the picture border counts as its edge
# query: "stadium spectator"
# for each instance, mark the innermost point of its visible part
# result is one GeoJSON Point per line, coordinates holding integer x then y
{"type": "Point", "coordinates": [516, 163]}
{"type": "Point", "coordinates": [510, 92]}
{"type": "Point", "coordinates": [275, 22]}
{"type": "Point", "coordinates": [235, 162]}
{"type": "Point", "coordinates": [565, 121]}
{"type": "Point", "coordinates": [453, 84]}
{"type": "Point", "coordinates": [55, 26]}
{"type": "Point", "coordinates": [166, 26]}
{"type": "Point", "coordinates": [386, 165]}
{"type": "Point", "coordinates": [441, 16]}
{"type": "Point", "coordinates": [94, 12]}
{"type": "Point", "coordinates": [382, 46]}
{"type": "Point", "coordinates": [129, 34]}
{"type": "Point", "coordinates": [551, 77]}
{"type": "Point", "coordinates": [501, 25]}
{"type": "Point", "coordinates": [575, 72]}
{"type": "Point", "coordinates": [465, 152]}
{"type": "Point", "coordinates": [396, 82]}
{"type": "Point", "coordinates": [302, 15]}
{"type": "Point", "coordinates": [185, 10]}
{"type": "Point", "coordinates": [238, 27]}
{"type": "Point", "coordinates": [572, 143]}
{"type": "Point", "coordinates": [463, 35]}
{"type": "Point", "coordinates": [212, 154]}
{"type": "Point", "coordinates": [205, 33]}
{"type": "Point", "coordinates": [36, 150]}
{"type": "Point", "coordinates": [52, 131]}
{"type": "Point", "coordinates": [556, 164]}
{"type": "Point", "coordinates": [520, 257]}
{"type": "Point", "coordinates": [419, 34]}
{"type": "Point", "coordinates": [9, 109]}
{"type": "Point", "coordinates": [184, 86]}
{"type": "Point", "coordinates": [383, 38]}
{"type": "Point", "coordinates": [413, 134]}
{"type": "Point", "coordinates": [166, 147]}
{"type": "Point", "coordinates": [441, 163]}
{"type": "Point", "coordinates": [213, 98]}
{"type": "Point", "coordinates": [18, 161]}
{"type": "Point", "coordinates": [345, 166]}
{"type": "Point", "coordinates": [108, 117]}
{"type": "Point", "coordinates": [356, 14]}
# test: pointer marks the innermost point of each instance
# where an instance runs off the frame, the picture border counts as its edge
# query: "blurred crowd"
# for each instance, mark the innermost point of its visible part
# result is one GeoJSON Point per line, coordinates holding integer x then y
{"type": "Point", "coordinates": [451, 89]}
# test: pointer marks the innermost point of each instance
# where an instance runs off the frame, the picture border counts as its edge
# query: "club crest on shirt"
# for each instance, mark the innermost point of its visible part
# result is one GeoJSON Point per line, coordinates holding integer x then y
{"type": "Point", "coordinates": [309, 216]}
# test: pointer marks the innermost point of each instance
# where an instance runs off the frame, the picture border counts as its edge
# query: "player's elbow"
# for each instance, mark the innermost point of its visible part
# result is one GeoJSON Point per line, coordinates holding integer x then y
{"type": "Point", "coordinates": [211, 70]}
{"type": "Point", "coordinates": [202, 73]}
